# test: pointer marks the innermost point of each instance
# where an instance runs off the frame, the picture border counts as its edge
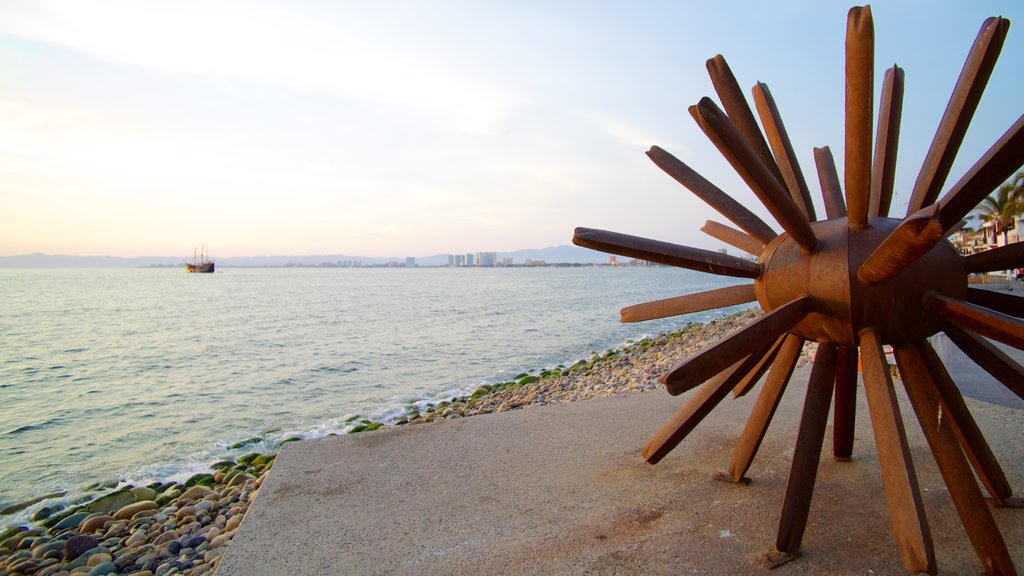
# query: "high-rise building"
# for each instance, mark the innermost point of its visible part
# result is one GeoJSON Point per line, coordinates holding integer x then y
{"type": "Point", "coordinates": [451, 260]}
{"type": "Point", "coordinates": [486, 259]}
{"type": "Point", "coordinates": [469, 259]}
{"type": "Point", "coordinates": [410, 261]}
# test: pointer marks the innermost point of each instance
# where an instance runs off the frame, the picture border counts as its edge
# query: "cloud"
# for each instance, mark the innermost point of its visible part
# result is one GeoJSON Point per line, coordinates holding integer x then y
{"type": "Point", "coordinates": [352, 52]}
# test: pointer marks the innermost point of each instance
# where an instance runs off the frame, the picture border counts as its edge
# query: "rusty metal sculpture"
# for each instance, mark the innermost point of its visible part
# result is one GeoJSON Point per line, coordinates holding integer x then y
{"type": "Point", "coordinates": [852, 283]}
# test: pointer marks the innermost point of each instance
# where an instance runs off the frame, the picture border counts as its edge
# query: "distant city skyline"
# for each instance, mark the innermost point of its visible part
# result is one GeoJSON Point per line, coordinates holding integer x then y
{"type": "Point", "coordinates": [149, 127]}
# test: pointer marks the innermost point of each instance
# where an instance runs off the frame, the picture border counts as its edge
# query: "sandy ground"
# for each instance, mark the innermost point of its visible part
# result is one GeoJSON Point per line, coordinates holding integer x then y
{"type": "Point", "coordinates": [562, 489]}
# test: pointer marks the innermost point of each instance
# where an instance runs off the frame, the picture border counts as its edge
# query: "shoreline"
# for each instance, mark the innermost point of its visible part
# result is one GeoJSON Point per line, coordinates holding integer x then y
{"type": "Point", "coordinates": [185, 528]}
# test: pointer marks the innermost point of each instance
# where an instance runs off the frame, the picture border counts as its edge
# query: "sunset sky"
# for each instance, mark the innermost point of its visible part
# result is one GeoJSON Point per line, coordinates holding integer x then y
{"type": "Point", "coordinates": [140, 127]}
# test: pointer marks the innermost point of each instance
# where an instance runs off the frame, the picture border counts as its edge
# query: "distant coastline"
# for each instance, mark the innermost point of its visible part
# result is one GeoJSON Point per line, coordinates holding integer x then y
{"type": "Point", "coordinates": [562, 255]}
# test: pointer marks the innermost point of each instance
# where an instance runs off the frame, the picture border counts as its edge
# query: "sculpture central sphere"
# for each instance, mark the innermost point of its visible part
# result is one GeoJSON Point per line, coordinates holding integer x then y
{"type": "Point", "coordinates": [843, 306]}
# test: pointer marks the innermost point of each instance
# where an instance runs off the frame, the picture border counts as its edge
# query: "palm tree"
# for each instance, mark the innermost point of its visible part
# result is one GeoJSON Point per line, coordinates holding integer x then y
{"type": "Point", "coordinates": [1002, 208]}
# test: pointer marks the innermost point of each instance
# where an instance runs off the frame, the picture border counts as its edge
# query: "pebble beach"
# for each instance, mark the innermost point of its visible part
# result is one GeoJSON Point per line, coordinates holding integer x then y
{"type": "Point", "coordinates": [185, 528]}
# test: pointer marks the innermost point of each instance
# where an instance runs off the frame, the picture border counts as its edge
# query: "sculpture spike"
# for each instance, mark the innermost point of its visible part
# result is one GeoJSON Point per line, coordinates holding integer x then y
{"type": "Point", "coordinates": [1006, 257]}
{"type": "Point", "coordinates": [860, 65]}
{"type": "Point", "coordinates": [764, 409]}
{"type": "Point", "coordinates": [828, 178]}
{"type": "Point", "coordinates": [995, 325]}
{"type": "Point", "coordinates": [665, 253]}
{"type": "Point", "coordinates": [998, 164]}
{"type": "Point", "coordinates": [739, 112]}
{"type": "Point", "coordinates": [751, 379]}
{"type": "Point", "coordinates": [712, 195]}
{"type": "Point", "coordinates": [725, 352]}
{"type": "Point", "coordinates": [911, 240]}
{"type": "Point", "coordinates": [998, 301]}
{"type": "Point", "coordinates": [956, 472]}
{"type": "Point", "coordinates": [970, 437]}
{"type": "Point", "coordinates": [987, 355]}
{"type": "Point", "coordinates": [845, 412]}
{"type": "Point", "coordinates": [804, 470]}
{"type": "Point", "coordinates": [689, 303]}
{"type": "Point", "coordinates": [887, 139]}
{"type": "Point", "coordinates": [697, 406]}
{"type": "Point", "coordinates": [959, 111]}
{"type": "Point", "coordinates": [733, 237]}
{"type": "Point", "coordinates": [782, 148]}
{"type": "Point", "coordinates": [901, 490]}
{"type": "Point", "coordinates": [761, 181]}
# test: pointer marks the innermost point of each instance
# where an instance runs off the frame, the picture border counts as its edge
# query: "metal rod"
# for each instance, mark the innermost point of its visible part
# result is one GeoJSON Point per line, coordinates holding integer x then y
{"type": "Point", "coordinates": [804, 470]}
{"type": "Point", "coordinates": [828, 178]}
{"type": "Point", "coordinates": [666, 253]}
{"type": "Point", "coordinates": [860, 64]}
{"type": "Point", "coordinates": [844, 417]}
{"type": "Point", "coordinates": [689, 303]}
{"type": "Point", "coordinates": [728, 350]}
{"type": "Point", "coordinates": [911, 240]}
{"type": "Point", "coordinates": [740, 114]}
{"type": "Point", "coordinates": [956, 472]}
{"type": "Point", "coordinates": [697, 406]}
{"type": "Point", "coordinates": [959, 111]}
{"type": "Point", "coordinates": [990, 358]}
{"type": "Point", "coordinates": [887, 139]}
{"type": "Point", "coordinates": [712, 195]}
{"type": "Point", "coordinates": [901, 490]}
{"type": "Point", "coordinates": [1006, 257]}
{"type": "Point", "coordinates": [733, 237]}
{"type": "Point", "coordinates": [998, 301]}
{"type": "Point", "coordinates": [782, 148]}
{"type": "Point", "coordinates": [747, 384]}
{"type": "Point", "coordinates": [764, 409]}
{"type": "Point", "coordinates": [970, 437]}
{"type": "Point", "coordinates": [995, 325]}
{"type": "Point", "coordinates": [755, 173]}
{"type": "Point", "coordinates": [998, 164]}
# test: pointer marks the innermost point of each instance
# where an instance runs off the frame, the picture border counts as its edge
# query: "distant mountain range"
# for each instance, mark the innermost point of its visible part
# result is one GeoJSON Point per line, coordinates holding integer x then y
{"type": "Point", "coordinates": [551, 255]}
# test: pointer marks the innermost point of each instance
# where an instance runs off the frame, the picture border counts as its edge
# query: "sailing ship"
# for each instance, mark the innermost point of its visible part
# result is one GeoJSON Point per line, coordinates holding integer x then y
{"type": "Point", "coordinates": [201, 266]}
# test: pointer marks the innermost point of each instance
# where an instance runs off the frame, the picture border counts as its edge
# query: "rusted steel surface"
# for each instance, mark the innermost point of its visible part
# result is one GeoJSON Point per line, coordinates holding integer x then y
{"type": "Point", "coordinates": [689, 303]}
{"type": "Point", "coordinates": [804, 470]}
{"type": "Point", "coordinates": [956, 472]}
{"type": "Point", "coordinates": [747, 384]}
{"type": "Point", "coordinates": [998, 301]}
{"type": "Point", "coordinates": [782, 148]}
{"type": "Point", "coordinates": [969, 435]}
{"type": "Point", "coordinates": [754, 172]}
{"type": "Point", "coordinates": [739, 112]}
{"type": "Point", "coordinates": [914, 238]}
{"type": "Point", "coordinates": [995, 325]}
{"type": "Point", "coordinates": [828, 178]}
{"type": "Point", "coordinates": [758, 334]}
{"type": "Point", "coordinates": [850, 283]}
{"type": "Point", "coordinates": [697, 407]}
{"type": "Point", "coordinates": [998, 164]}
{"type": "Point", "coordinates": [844, 417]}
{"type": "Point", "coordinates": [959, 111]}
{"type": "Point", "coordinates": [1006, 257]}
{"type": "Point", "coordinates": [990, 358]}
{"type": "Point", "coordinates": [764, 409]}
{"type": "Point", "coordinates": [712, 195]}
{"type": "Point", "coordinates": [860, 93]}
{"type": "Point", "coordinates": [733, 237]}
{"type": "Point", "coordinates": [887, 139]}
{"type": "Point", "coordinates": [898, 477]}
{"type": "Point", "coordinates": [666, 253]}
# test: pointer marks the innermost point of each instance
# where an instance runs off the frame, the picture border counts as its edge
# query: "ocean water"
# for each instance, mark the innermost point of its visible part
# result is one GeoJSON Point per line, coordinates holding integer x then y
{"type": "Point", "coordinates": [145, 374]}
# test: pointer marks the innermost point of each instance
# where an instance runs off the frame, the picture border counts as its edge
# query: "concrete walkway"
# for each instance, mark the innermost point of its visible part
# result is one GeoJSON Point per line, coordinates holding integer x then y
{"type": "Point", "coordinates": [563, 490]}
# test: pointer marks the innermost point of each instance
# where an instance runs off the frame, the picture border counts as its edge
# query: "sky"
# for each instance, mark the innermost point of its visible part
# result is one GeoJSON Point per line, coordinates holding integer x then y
{"type": "Point", "coordinates": [391, 128]}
